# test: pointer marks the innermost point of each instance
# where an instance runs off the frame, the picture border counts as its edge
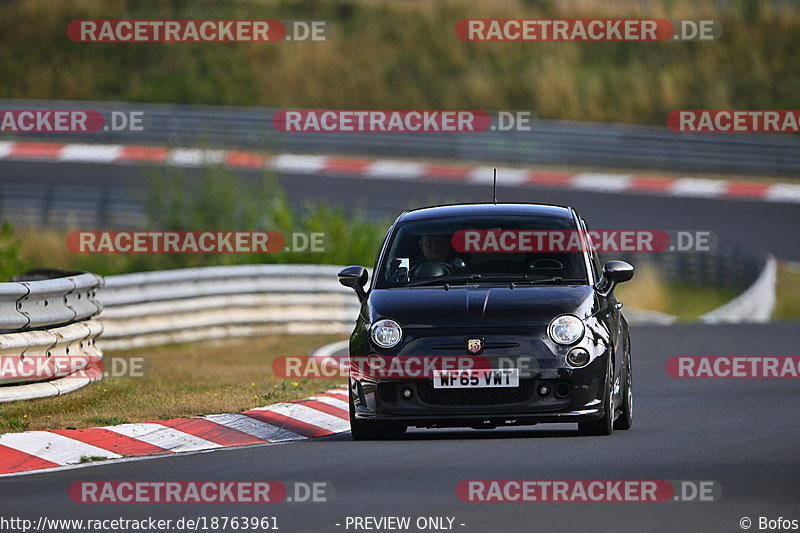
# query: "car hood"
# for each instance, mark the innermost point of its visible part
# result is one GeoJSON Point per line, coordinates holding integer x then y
{"type": "Point", "coordinates": [489, 306]}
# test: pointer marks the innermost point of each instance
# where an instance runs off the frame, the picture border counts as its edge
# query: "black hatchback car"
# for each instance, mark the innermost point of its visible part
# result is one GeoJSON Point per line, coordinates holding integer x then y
{"type": "Point", "coordinates": [487, 315]}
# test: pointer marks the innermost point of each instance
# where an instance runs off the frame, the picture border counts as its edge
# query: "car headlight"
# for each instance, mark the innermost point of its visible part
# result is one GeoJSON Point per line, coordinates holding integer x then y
{"type": "Point", "coordinates": [566, 329]}
{"type": "Point", "coordinates": [386, 333]}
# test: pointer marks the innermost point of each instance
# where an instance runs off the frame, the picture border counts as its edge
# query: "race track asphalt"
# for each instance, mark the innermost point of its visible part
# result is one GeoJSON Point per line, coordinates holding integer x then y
{"type": "Point", "coordinates": [741, 433]}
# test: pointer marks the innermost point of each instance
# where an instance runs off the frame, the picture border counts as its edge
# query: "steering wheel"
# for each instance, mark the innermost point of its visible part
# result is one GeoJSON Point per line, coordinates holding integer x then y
{"type": "Point", "coordinates": [431, 269]}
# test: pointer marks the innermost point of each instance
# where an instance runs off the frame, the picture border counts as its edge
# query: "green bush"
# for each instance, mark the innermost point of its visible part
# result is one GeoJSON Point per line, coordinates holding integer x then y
{"type": "Point", "coordinates": [11, 261]}
{"type": "Point", "coordinates": [221, 200]}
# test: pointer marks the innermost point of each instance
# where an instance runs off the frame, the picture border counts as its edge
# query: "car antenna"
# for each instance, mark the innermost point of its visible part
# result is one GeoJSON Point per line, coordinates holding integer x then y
{"type": "Point", "coordinates": [494, 187]}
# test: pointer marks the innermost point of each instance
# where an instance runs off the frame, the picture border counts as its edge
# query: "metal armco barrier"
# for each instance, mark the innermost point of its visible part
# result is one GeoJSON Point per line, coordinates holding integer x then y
{"type": "Point", "coordinates": [42, 348]}
{"type": "Point", "coordinates": [549, 142]}
{"type": "Point", "coordinates": [39, 299]}
{"type": "Point", "coordinates": [186, 305]}
{"type": "Point", "coordinates": [46, 324]}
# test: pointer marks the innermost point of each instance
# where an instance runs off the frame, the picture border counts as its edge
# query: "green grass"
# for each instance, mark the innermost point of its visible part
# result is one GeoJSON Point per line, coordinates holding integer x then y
{"type": "Point", "coordinates": [16, 423]}
{"type": "Point", "coordinates": [107, 421]}
{"type": "Point", "coordinates": [91, 459]}
{"type": "Point", "coordinates": [650, 291]}
{"type": "Point", "coordinates": [688, 302]}
{"type": "Point", "coordinates": [405, 55]}
{"type": "Point", "coordinates": [787, 306]}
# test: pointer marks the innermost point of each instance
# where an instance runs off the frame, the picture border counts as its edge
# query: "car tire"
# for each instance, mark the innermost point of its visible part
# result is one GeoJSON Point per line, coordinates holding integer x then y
{"type": "Point", "coordinates": [361, 431]}
{"type": "Point", "coordinates": [625, 420]}
{"type": "Point", "coordinates": [604, 426]}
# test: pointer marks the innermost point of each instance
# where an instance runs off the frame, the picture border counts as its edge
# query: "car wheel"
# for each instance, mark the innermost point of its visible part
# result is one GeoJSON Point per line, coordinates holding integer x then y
{"type": "Point", "coordinates": [361, 431]}
{"type": "Point", "coordinates": [625, 420]}
{"type": "Point", "coordinates": [604, 426]}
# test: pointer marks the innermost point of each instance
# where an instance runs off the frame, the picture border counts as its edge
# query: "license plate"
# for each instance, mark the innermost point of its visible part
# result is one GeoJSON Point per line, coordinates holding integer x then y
{"type": "Point", "coordinates": [475, 379]}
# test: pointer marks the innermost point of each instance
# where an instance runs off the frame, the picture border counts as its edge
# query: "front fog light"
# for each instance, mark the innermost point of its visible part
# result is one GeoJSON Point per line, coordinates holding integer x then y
{"type": "Point", "coordinates": [386, 333]}
{"type": "Point", "coordinates": [566, 329]}
{"type": "Point", "coordinates": [578, 357]}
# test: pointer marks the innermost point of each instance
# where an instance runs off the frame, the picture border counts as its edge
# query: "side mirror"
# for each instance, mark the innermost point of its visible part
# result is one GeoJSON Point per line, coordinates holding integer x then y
{"type": "Point", "coordinates": [618, 271]}
{"type": "Point", "coordinates": [614, 272]}
{"type": "Point", "coordinates": [355, 277]}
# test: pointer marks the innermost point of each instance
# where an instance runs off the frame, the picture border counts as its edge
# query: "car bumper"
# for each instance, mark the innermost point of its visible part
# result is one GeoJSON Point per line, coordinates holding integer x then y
{"type": "Point", "coordinates": [574, 395]}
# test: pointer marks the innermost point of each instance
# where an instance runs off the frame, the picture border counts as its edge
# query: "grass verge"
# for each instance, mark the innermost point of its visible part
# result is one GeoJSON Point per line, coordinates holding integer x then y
{"type": "Point", "coordinates": [648, 290]}
{"type": "Point", "coordinates": [186, 380]}
{"type": "Point", "coordinates": [787, 306]}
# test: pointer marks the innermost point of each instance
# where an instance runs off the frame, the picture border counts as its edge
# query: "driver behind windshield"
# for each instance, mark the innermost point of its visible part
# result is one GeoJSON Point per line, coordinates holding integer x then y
{"type": "Point", "coordinates": [436, 259]}
{"type": "Point", "coordinates": [433, 261]}
{"type": "Point", "coordinates": [435, 247]}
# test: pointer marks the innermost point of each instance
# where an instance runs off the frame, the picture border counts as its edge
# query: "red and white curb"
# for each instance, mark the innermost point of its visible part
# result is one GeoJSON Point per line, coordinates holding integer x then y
{"type": "Point", "coordinates": [403, 170]}
{"type": "Point", "coordinates": [317, 416]}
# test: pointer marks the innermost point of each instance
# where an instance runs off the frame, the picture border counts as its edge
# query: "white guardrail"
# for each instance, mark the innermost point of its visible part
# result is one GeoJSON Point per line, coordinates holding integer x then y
{"type": "Point", "coordinates": [187, 305]}
{"type": "Point", "coordinates": [192, 304]}
{"type": "Point", "coordinates": [45, 323]}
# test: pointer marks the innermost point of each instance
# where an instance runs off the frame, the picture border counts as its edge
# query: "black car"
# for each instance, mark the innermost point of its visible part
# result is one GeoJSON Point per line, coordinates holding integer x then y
{"type": "Point", "coordinates": [530, 332]}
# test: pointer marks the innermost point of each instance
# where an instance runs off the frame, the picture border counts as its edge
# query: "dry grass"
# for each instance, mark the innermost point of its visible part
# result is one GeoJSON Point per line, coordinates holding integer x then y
{"type": "Point", "coordinates": [688, 302]}
{"type": "Point", "coordinates": [787, 306]}
{"type": "Point", "coordinates": [646, 290]}
{"type": "Point", "coordinates": [649, 290]}
{"type": "Point", "coordinates": [186, 380]}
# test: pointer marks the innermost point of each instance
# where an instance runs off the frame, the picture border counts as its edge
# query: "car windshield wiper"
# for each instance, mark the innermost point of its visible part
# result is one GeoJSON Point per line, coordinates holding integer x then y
{"type": "Point", "coordinates": [520, 279]}
{"type": "Point", "coordinates": [441, 280]}
{"type": "Point", "coordinates": [553, 280]}
{"type": "Point", "coordinates": [478, 278]}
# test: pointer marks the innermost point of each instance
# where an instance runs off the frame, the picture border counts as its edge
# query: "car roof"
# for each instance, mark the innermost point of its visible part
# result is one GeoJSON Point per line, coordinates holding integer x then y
{"type": "Point", "coordinates": [499, 209]}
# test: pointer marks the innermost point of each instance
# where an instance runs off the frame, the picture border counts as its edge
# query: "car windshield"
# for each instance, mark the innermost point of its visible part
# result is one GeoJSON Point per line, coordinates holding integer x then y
{"type": "Point", "coordinates": [483, 249]}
